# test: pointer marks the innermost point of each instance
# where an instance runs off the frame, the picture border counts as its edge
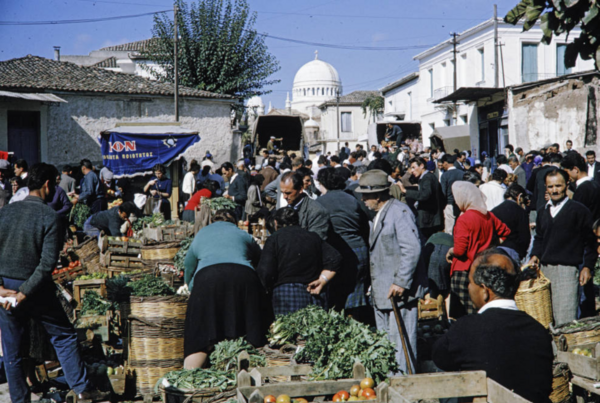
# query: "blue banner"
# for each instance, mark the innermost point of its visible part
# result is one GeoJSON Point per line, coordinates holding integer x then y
{"type": "Point", "coordinates": [127, 154]}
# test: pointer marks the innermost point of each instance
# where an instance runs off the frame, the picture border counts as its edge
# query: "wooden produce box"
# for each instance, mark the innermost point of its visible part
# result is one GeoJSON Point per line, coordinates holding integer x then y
{"type": "Point", "coordinates": [80, 287]}
{"type": "Point", "coordinates": [127, 262]}
{"type": "Point", "coordinates": [581, 365]}
{"type": "Point", "coordinates": [431, 308]}
{"type": "Point", "coordinates": [117, 246]}
{"type": "Point", "coordinates": [99, 324]}
{"type": "Point", "coordinates": [69, 275]}
{"type": "Point", "coordinates": [468, 384]}
{"type": "Point", "coordinates": [169, 233]}
{"type": "Point", "coordinates": [279, 373]}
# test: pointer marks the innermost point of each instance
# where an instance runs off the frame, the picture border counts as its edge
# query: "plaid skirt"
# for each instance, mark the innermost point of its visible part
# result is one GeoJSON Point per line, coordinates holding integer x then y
{"type": "Point", "coordinates": [291, 297]}
{"type": "Point", "coordinates": [459, 284]}
{"type": "Point", "coordinates": [358, 297]}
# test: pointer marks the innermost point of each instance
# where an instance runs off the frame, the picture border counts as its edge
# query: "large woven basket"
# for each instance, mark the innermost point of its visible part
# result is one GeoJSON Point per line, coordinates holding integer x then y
{"type": "Point", "coordinates": [560, 383]}
{"type": "Point", "coordinates": [155, 347]}
{"type": "Point", "coordinates": [89, 254]}
{"type": "Point", "coordinates": [164, 251]}
{"type": "Point", "coordinates": [534, 297]}
{"type": "Point", "coordinates": [577, 333]}
{"type": "Point", "coordinates": [209, 395]}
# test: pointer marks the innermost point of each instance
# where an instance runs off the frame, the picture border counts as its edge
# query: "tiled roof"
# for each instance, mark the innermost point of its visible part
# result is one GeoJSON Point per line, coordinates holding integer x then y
{"type": "Point", "coordinates": [111, 62]}
{"type": "Point", "coordinates": [129, 47]}
{"type": "Point", "coordinates": [34, 72]}
{"type": "Point", "coordinates": [354, 98]}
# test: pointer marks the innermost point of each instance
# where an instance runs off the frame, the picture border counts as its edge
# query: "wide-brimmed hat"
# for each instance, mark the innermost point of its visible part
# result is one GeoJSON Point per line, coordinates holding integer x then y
{"type": "Point", "coordinates": [373, 181]}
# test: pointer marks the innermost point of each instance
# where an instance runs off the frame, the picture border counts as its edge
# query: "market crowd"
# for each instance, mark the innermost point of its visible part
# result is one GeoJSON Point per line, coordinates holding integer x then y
{"type": "Point", "coordinates": [364, 231]}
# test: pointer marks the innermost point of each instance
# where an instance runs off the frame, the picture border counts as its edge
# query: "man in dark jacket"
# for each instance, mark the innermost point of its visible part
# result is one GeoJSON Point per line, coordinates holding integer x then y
{"type": "Point", "coordinates": [30, 241]}
{"type": "Point", "coordinates": [238, 187]}
{"type": "Point", "coordinates": [451, 174]}
{"type": "Point", "coordinates": [92, 192]}
{"type": "Point", "coordinates": [509, 345]}
{"type": "Point", "coordinates": [429, 198]}
{"type": "Point", "coordinates": [537, 183]}
{"type": "Point", "coordinates": [110, 221]}
{"type": "Point", "coordinates": [512, 213]}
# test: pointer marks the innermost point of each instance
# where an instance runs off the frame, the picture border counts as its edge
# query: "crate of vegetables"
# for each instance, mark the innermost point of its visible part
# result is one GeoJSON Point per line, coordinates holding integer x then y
{"type": "Point", "coordinates": [177, 231]}
{"type": "Point", "coordinates": [89, 282]}
{"type": "Point", "coordinates": [121, 245]}
{"type": "Point", "coordinates": [126, 262]}
{"type": "Point", "coordinates": [69, 272]}
{"type": "Point", "coordinates": [583, 360]}
{"type": "Point", "coordinates": [576, 333]}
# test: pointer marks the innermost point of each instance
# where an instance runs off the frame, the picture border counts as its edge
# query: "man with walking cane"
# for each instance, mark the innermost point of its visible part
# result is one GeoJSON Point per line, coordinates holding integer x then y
{"type": "Point", "coordinates": [397, 274]}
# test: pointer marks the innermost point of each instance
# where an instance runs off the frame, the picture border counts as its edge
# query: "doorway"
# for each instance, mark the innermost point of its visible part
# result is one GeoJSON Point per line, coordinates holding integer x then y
{"type": "Point", "coordinates": [24, 135]}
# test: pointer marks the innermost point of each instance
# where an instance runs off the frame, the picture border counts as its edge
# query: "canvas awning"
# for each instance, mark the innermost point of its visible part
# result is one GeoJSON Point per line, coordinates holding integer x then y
{"type": "Point", "coordinates": [132, 150]}
{"type": "Point", "coordinates": [469, 94]}
{"type": "Point", "coordinates": [450, 137]}
{"type": "Point", "coordinates": [32, 97]}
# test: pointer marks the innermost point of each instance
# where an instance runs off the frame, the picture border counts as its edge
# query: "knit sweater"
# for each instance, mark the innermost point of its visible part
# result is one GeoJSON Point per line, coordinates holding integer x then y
{"type": "Point", "coordinates": [563, 239]}
{"type": "Point", "coordinates": [30, 241]}
{"type": "Point", "coordinates": [517, 220]}
{"type": "Point", "coordinates": [588, 194]}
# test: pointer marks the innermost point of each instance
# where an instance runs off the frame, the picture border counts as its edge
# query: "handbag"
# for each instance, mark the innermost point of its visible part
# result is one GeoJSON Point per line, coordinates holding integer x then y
{"type": "Point", "coordinates": [152, 206]}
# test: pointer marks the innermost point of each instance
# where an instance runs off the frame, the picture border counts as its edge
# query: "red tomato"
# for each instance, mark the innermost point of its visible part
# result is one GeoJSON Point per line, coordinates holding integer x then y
{"type": "Point", "coordinates": [270, 399]}
{"type": "Point", "coordinates": [344, 395]}
{"type": "Point", "coordinates": [368, 392]}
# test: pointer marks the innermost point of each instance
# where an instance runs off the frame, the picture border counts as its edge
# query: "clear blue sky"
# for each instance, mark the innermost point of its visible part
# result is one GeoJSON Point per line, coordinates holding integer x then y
{"type": "Point", "coordinates": [348, 22]}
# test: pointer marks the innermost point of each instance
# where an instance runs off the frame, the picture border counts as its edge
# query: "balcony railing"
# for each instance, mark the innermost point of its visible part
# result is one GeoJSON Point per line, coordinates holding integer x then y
{"type": "Point", "coordinates": [441, 93]}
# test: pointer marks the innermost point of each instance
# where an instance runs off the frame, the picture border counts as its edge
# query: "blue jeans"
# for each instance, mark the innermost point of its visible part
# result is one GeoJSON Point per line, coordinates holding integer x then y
{"type": "Point", "coordinates": [45, 307]}
{"type": "Point", "coordinates": [90, 230]}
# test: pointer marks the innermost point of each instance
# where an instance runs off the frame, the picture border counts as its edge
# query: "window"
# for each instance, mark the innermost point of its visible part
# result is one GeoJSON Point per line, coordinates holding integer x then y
{"type": "Point", "coordinates": [430, 83]}
{"type": "Point", "coordinates": [446, 122]}
{"type": "Point", "coordinates": [561, 69]}
{"type": "Point", "coordinates": [464, 119]}
{"type": "Point", "coordinates": [432, 125]}
{"type": "Point", "coordinates": [482, 63]}
{"type": "Point", "coordinates": [443, 75]}
{"type": "Point", "coordinates": [313, 91]}
{"type": "Point", "coordinates": [346, 121]}
{"type": "Point", "coordinates": [529, 67]}
{"type": "Point", "coordinates": [305, 92]}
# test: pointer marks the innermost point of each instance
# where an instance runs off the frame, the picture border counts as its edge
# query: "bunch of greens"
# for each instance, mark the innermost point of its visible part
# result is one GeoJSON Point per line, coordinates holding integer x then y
{"type": "Point", "coordinates": [219, 203]}
{"type": "Point", "coordinates": [334, 343]}
{"type": "Point", "coordinates": [79, 214]}
{"type": "Point", "coordinates": [117, 289]}
{"type": "Point", "coordinates": [156, 220]}
{"type": "Point", "coordinates": [201, 378]}
{"type": "Point", "coordinates": [93, 303]}
{"type": "Point", "coordinates": [150, 286]}
{"type": "Point", "coordinates": [226, 353]}
{"type": "Point", "coordinates": [93, 276]}
{"type": "Point", "coordinates": [179, 258]}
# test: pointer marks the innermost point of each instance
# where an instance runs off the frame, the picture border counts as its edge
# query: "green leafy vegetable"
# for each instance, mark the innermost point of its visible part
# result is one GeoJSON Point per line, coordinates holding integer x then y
{"type": "Point", "coordinates": [79, 214]}
{"type": "Point", "coordinates": [156, 220]}
{"type": "Point", "coordinates": [201, 378]}
{"type": "Point", "coordinates": [226, 353]}
{"type": "Point", "coordinates": [334, 343]}
{"type": "Point", "coordinates": [93, 276]}
{"type": "Point", "coordinates": [93, 303]}
{"type": "Point", "coordinates": [219, 203]}
{"type": "Point", "coordinates": [179, 258]}
{"type": "Point", "coordinates": [150, 286]}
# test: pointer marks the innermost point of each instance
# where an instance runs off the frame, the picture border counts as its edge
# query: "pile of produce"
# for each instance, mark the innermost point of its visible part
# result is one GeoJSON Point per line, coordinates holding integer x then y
{"type": "Point", "coordinates": [93, 304]}
{"type": "Point", "coordinates": [583, 351]}
{"type": "Point", "coordinates": [201, 378]}
{"type": "Point", "coordinates": [93, 276]}
{"type": "Point", "coordinates": [72, 265]}
{"type": "Point", "coordinates": [334, 343]}
{"type": "Point", "coordinates": [155, 220]}
{"type": "Point", "coordinates": [362, 391]}
{"type": "Point", "coordinates": [150, 286]}
{"type": "Point", "coordinates": [226, 353]}
{"type": "Point", "coordinates": [219, 203]}
{"type": "Point", "coordinates": [179, 258]}
{"type": "Point", "coordinates": [79, 214]}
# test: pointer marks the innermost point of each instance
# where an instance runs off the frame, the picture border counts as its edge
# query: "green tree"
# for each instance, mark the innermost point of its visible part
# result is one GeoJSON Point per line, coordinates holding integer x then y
{"type": "Point", "coordinates": [561, 16]}
{"type": "Point", "coordinates": [374, 105]}
{"type": "Point", "coordinates": [218, 49]}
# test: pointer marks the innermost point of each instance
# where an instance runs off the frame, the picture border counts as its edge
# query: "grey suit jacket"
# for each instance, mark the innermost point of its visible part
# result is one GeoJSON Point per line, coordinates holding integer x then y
{"type": "Point", "coordinates": [395, 250]}
{"type": "Point", "coordinates": [314, 217]}
{"type": "Point", "coordinates": [521, 176]}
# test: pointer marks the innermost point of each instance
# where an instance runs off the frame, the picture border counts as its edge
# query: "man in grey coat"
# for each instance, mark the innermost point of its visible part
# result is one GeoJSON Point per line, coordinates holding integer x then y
{"type": "Point", "coordinates": [396, 269]}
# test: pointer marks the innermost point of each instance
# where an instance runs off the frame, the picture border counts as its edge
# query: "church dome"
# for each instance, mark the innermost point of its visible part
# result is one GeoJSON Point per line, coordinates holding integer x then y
{"type": "Point", "coordinates": [317, 71]}
{"type": "Point", "coordinates": [315, 82]}
{"type": "Point", "coordinates": [255, 101]}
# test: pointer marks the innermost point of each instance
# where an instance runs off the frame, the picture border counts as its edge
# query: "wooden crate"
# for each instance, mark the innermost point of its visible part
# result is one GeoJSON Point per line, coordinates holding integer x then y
{"type": "Point", "coordinates": [431, 308]}
{"type": "Point", "coordinates": [586, 367]}
{"type": "Point", "coordinates": [80, 287]}
{"type": "Point", "coordinates": [99, 324]}
{"type": "Point", "coordinates": [468, 384]}
{"type": "Point", "coordinates": [127, 262]}
{"type": "Point", "coordinates": [285, 373]}
{"type": "Point", "coordinates": [69, 275]}
{"type": "Point", "coordinates": [169, 233]}
{"type": "Point", "coordinates": [132, 247]}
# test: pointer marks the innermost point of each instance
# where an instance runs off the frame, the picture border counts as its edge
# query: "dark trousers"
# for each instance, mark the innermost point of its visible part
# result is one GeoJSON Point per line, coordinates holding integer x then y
{"type": "Point", "coordinates": [44, 307]}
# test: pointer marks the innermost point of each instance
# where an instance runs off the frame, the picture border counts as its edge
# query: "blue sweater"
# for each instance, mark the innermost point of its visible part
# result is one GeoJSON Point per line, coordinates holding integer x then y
{"type": "Point", "coordinates": [220, 242]}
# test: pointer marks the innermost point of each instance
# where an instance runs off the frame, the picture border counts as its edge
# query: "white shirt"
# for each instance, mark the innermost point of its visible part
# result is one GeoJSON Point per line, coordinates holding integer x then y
{"type": "Point", "coordinates": [494, 194]}
{"type": "Point", "coordinates": [20, 195]}
{"type": "Point", "coordinates": [582, 180]}
{"type": "Point", "coordinates": [506, 168]}
{"type": "Point", "coordinates": [591, 169]}
{"type": "Point", "coordinates": [509, 304]}
{"type": "Point", "coordinates": [555, 209]}
{"type": "Point", "coordinates": [189, 183]}
{"type": "Point", "coordinates": [376, 221]}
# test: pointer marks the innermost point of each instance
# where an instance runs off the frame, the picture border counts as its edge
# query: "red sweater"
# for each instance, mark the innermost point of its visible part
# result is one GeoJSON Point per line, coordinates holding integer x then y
{"type": "Point", "coordinates": [474, 232]}
{"type": "Point", "coordinates": [195, 199]}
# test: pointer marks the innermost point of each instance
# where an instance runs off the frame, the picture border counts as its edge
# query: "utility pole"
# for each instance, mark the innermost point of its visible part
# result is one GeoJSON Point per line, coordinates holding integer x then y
{"type": "Point", "coordinates": [496, 46]}
{"type": "Point", "coordinates": [175, 40]}
{"type": "Point", "coordinates": [337, 112]}
{"type": "Point", "coordinates": [454, 52]}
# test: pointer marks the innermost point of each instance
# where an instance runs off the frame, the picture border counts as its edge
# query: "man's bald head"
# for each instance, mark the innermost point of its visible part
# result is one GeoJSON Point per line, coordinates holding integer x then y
{"type": "Point", "coordinates": [493, 275]}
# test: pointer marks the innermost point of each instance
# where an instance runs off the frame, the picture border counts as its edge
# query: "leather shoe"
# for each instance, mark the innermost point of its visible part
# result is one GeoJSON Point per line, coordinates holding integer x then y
{"type": "Point", "coordinates": [93, 395]}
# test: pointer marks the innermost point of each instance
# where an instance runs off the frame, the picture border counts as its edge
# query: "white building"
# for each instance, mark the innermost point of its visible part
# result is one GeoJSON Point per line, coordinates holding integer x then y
{"type": "Point", "coordinates": [428, 95]}
{"type": "Point", "coordinates": [353, 124]}
{"type": "Point", "coordinates": [315, 82]}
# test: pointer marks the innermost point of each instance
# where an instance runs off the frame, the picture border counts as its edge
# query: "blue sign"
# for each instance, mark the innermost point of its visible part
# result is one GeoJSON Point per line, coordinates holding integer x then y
{"type": "Point", "coordinates": [127, 154]}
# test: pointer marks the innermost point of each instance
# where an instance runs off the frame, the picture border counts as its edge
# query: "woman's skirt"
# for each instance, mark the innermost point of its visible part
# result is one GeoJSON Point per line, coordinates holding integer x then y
{"type": "Point", "coordinates": [292, 297]}
{"type": "Point", "coordinates": [461, 304]}
{"type": "Point", "coordinates": [226, 302]}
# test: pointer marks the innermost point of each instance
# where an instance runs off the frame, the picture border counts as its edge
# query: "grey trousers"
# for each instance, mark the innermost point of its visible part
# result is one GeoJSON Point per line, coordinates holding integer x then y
{"type": "Point", "coordinates": [449, 219]}
{"type": "Point", "coordinates": [386, 321]}
{"type": "Point", "coordinates": [565, 292]}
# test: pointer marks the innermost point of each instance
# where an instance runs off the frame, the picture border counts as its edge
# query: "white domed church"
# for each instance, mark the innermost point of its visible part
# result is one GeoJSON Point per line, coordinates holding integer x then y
{"type": "Point", "coordinates": [316, 82]}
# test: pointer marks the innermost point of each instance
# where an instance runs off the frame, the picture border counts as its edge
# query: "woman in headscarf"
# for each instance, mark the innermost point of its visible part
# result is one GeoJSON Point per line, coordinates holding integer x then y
{"type": "Point", "coordinates": [475, 230]}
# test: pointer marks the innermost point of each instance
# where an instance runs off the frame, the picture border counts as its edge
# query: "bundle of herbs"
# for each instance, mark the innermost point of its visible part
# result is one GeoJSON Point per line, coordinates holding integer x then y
{"type": "Point", "coordinates": [334, 343]}
{"type": "Point", "coordinates": [219, 203]}
{"type": "Point", "coordinates": [93, 304]}
{"type": "Point", "coordinates": [150, 286]}
{"type": "Point", "coordinates": [200, 378]}
{"type": "Point", "coordinates": [179, 258]}
{"type": "Point", "coordinates": [226, 353]}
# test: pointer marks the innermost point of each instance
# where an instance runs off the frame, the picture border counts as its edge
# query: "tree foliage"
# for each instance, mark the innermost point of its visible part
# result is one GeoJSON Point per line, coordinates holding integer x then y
{"type": "Point", "coordinates": [561, 16]}
{"type": "Point", "coordinates": [218, 49]}
{"type": "Point", "coordinates": [374, 105]}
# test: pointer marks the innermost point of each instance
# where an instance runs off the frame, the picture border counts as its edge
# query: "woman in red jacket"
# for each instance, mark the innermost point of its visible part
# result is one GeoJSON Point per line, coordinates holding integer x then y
{"type": "Point", "coordinates": [475, 230]}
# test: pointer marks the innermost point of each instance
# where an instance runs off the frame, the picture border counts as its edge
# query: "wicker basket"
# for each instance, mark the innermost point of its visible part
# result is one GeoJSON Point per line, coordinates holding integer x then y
{"type": "Point", "coordinates": [560, 383]}
{"type": "Point", "coordinates": [535, 298]}
{"type": "Point", "coordinates": [588, 332]}
{"type": "Point", "coordinates": [209, 395]}
{"type": "Point", "coordinates": [164, 252]}
{"type": "Point", "coordinates": [89, 254]}
{"type": "Point", "coordinates": [155, 338]}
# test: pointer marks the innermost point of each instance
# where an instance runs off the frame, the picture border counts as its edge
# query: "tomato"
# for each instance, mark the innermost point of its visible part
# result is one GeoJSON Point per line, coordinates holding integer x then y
{"type": "Point", "coordinates": [71, 265]}
{"type": "Point", "coordinates": [367, 383]}
{"type": "Point", "coordinates": [368, 392]}
{"type": "Point", "coordinates": [124, 239]}
{"type": "Point", "coordinates": [270, 399]}
{"type": "Point", "coordinates": [283, 399]}
{"type": "Point", "coordinates": [299, 400]}
{"type": "Point", "coordinates": [354, 390]}
{"type": "Point", "coordinates": [336, 398]}
{"type": "Point", "coordinates": [344, 395]}
{"type": "Point", "coordinates": [77, 263]}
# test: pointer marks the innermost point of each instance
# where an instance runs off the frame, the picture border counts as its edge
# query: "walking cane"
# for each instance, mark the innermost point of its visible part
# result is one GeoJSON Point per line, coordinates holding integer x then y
{"type": "Point", "coordinates": [402, 332]}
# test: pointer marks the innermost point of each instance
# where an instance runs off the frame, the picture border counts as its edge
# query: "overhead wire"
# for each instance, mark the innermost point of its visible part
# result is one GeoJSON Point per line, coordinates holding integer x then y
{"type": "Point", "coordinates": [82, 21]}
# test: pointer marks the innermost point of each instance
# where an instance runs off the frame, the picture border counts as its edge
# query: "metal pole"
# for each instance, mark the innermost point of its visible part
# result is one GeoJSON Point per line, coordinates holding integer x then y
{"type": "Point", "coordinates": [454, 43]}
{"type": "Point", "coordinates": [337, 108]}
{"type": "Point", "coordinates": [176, 72]}
{"type": "Point", "coordinates": [495, 46]}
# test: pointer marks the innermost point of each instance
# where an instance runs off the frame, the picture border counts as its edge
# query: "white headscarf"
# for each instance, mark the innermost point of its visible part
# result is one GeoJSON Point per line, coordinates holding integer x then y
{"type": "Point", "coordinates": [468, 197]}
